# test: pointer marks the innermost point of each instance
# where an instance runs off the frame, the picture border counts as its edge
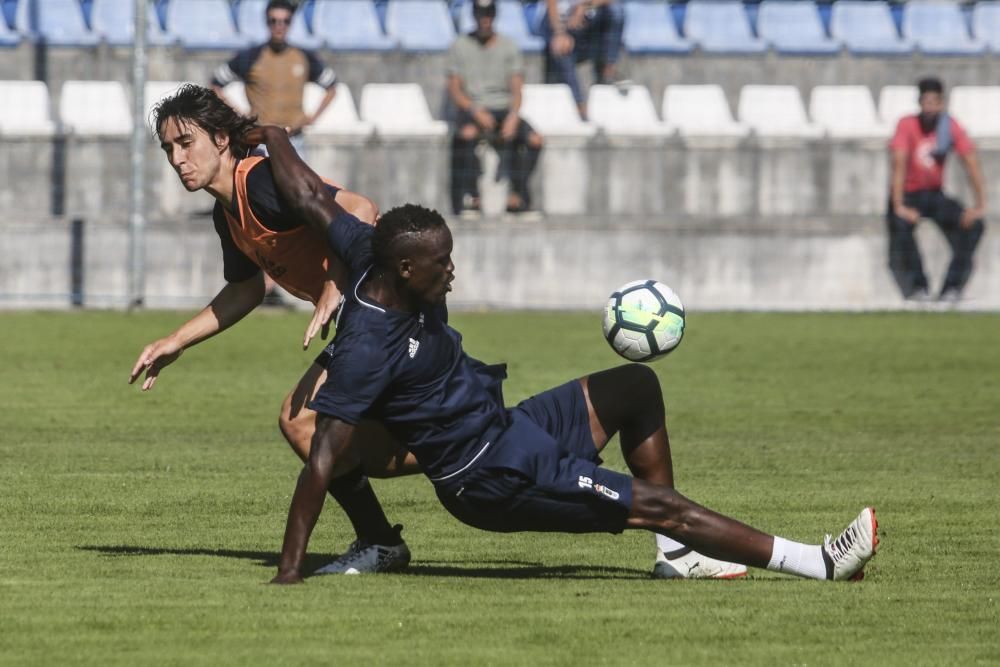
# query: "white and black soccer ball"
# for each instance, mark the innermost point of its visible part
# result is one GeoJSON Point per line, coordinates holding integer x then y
{"type": "Point", "coordinates": [644, 320]}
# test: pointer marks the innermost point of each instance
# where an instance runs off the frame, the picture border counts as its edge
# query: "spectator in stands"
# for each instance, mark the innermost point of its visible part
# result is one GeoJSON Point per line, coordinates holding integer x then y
{"type": "Point", "coordinates": [577, 31]}
{"type": "Point", "coordinates": [919, 149]}
{"type": "Point", "coordinates": [485, 77]}
{"type": "Point", "coordinates": [276, 74]}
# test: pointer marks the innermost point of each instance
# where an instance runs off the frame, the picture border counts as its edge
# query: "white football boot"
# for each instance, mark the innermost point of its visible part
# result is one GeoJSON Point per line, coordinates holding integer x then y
{"type": "Point", "coordinates": [845, 557]}
{"type": "Point", "coordinates": [362, 557]}
{"type": "Point", "coordinates": [693, 565]}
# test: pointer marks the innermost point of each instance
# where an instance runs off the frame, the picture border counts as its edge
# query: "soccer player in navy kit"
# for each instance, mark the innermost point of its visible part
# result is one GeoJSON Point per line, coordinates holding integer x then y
{"type": "Point", "coordinates": [535, 467]}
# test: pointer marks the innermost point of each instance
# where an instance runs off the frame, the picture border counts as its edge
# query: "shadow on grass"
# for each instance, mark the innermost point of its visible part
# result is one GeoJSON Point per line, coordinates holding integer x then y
{"type": "Point", "coordinates": [495, 569]}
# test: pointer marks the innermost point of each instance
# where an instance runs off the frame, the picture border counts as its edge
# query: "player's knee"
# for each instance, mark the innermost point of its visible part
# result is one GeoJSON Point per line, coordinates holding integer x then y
{"type": "Point", "coordinates": [641, 383]}
{"type": "Point", "coordinates": [535, 141]}
{"type": "Point", "coordinates": [468, 132]}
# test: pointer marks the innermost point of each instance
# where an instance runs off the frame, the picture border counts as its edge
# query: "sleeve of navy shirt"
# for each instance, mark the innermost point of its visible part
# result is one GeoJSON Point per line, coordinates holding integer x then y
{"type": "Point", "coordinates": [351, 240]}
{"type": "Point", "coordinates": [359, 363]}
{"type": "Point", "coordinates": [236, 266]}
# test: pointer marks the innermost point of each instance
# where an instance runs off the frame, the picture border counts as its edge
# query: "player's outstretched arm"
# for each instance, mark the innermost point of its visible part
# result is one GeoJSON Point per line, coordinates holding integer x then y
{"type": "Point", "coordinates": [332, 436]}
{"type": "Point", "coordinates": [300, 186]}
{"type": "Point", "coordinates": [230, 305]}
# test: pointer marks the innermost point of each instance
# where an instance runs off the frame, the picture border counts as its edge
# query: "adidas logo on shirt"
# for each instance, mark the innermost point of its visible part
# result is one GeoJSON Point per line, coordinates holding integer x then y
{"type": "Point", "coordinates": [414, 346]}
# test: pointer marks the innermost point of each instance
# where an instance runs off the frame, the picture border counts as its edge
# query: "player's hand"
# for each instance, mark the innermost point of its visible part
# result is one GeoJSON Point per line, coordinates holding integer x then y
{"type": "Point", "coordinates": [484, 119]}
{"type": "Point", "coordinates": [969, 217]}
{"type": "Point", "coordinates": [509, 128]}
{"type": "Point", "coordinates": [326, 307]}
{"type": "Point", "coordinates": [578, 16]}
{"type": "Point", "coordinates": [289, 577]}
{"type": "Point", "coordinates": [561, 44]}
{"type": "Point", "coordinates": [911, 215]}
{"type": "Point", "coordinates": [154, 358]}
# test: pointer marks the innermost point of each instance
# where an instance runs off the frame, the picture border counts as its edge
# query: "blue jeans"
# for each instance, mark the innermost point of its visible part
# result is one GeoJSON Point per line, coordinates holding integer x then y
{"type": "Point", "coordinates": [599, 40]}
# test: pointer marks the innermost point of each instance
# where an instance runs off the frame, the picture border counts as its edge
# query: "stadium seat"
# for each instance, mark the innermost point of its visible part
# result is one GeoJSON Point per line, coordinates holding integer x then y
{"type": "Point", "coordinates": [340, 118]}
{"type": "Point", "coordinates": [58, 22]}
{"type": "Point", "coordinates": [894, 102]}
{"type": "Point", "coordinates": [986, 23]}
{"type": "Point", "coordinates": [252, 24]}
{"type": "Point", "coordinates": [114, 22]}
{"type": "Point", "coordinates": [203, 24]}
{"type": "Point", "coordinates": [8, 37]}
{"type": "Point", "coordinates": [721, 27]}
{"type": "Point", "coordinates": [95, 108]}
{"type": "Point", "coordinates": [939, 28]}
{"type": "Point", "coordinates": [700, 111]}
{"type": "Point", "coordinates": [846, 112]}
{"type": "Point", "coordinates": [794, 27]}
{"type": "Point", "coordinates": [866, 28]}
{"type": "Point", "coordinates": [775, 111]}
{"type": "Point", "coordinates": [624, 110]}
{"type": "Point", "coordinates": [650, 28]}
{"type": "Point", "coordinates": [399, 109]}
{"type": "Point", "coordinates": [235, 94]}
{"type": "Point", "coordinates": [350, 25]}
{"type": "Point", "coordinates": [551, 110]}
{"type": "Point", "coordinates": [26, 111]}
{"type": "Point", "coordinates": [154, 92]}
{"type": "Point", "coordinates": [977, 108]}
{"type": "Point", "coordinates": [420, 25]}
{"type": "Point", "coordinates": [510, 22]}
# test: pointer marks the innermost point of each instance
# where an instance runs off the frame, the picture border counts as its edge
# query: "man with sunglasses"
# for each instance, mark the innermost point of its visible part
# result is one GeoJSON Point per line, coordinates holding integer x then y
{"type": "Point", "coordinates": [276, 73]}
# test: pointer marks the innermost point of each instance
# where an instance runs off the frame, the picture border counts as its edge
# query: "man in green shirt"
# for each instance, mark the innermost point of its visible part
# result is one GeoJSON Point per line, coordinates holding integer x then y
{"type": "Point", "coordinates": [485, 77]}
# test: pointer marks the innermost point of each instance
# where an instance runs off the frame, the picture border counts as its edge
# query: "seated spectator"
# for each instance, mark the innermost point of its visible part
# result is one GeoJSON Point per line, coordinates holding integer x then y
{"type": "Point", "coordinates": [485, 77]}
{"type": "Point", "coordinates": [276, 74]}
{"type": "Point", "coordinates": [577, 31]}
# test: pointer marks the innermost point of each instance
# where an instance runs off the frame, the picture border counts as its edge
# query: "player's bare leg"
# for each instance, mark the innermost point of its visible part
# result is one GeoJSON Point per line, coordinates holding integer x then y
{"type": "Point", "coordinates": [374, 453]}
{"type": "Point", "coordinates": [627, 400]}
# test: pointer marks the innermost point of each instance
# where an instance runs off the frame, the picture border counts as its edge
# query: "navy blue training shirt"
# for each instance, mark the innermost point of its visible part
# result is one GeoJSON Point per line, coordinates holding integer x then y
{"type": "Point", "coordinates": [407, 370]}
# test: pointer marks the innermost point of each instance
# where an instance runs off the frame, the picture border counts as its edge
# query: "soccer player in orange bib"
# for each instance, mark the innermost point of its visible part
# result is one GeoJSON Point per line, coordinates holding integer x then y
{"type": "Point", "coordinates": [262, 233]}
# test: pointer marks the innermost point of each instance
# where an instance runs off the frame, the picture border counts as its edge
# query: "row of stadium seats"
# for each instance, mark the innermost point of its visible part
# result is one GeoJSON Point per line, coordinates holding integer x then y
{"type": "Point", "coordinates": [102, 108]}
{"type": "Point", "coordinates": [651, 26]}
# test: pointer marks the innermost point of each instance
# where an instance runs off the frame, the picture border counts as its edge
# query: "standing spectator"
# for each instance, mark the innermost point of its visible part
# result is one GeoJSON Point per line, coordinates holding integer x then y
{"type": "Point", "coordinates": [919, 149]}
{"type": "Point", "coordinates": [485, 77]}
{"type": "Point", "coordinates": [577, 31]}
{"type": "Point", "coordinates": [276, 74]}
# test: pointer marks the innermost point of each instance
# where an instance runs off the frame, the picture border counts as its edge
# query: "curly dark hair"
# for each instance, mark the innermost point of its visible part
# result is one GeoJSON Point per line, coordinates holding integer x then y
{"type": "Point", "coordinates": [201, 106]}
{"type": "Point", "coordinates": [398, 228]}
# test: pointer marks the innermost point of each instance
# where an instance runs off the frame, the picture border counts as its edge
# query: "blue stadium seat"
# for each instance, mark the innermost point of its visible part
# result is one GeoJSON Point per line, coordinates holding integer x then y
{"type": "Point", "coordinates": [350, 25]}
{"type": "Point", "coordinates": [203, 24]}
{"type": "Point", "coordinates": [510, 22]}
{"type": "Point", "coordinates": [252, 24]}
{"type": "Point", "coordinates": [650, 28]}
{"type": "Point", "coordinates": [420, 25]}
{"type": "Point", "coordinates": [8, 37]}
{"type": "Point", "coordinates": [114, 22]}
{"type": "Point", "coordinates": [58, 22]}
{"type": "Point", "coordinates": [986, 23]}
{"type": "Point", "coordinates": [721, 27]}
{"type": "Point", "coordinates": [939, 28]}
{"type": "Point", "coordinates": [794, 27]}
{"type": "Point", "coordinates": [866, 28]}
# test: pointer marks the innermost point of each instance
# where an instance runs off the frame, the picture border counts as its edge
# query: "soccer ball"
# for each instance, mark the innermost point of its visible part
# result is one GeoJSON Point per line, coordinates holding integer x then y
{"type": "Point", "coordinates": [644, 320]}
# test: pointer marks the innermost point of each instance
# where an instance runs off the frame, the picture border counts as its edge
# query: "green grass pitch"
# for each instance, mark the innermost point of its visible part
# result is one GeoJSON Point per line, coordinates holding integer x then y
{"type": "Point", "coordinates": [140, 529]}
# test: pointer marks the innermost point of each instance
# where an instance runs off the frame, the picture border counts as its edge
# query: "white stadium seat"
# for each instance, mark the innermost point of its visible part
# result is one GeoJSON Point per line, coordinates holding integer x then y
{"type": "Point", "coordinates": [624, 110]}
{"type": "Point", "coordinates": [846, 111]}
{"type": "Point", "coordinates": [894, 102]}
{"type": "Point", "coordinates": [95, 108]}
{"type": "Point", "coordinates": [775, 111]}
{"type": "Point", "coordinates": [551, 110]}
{"type": "Point", "coordinates": [340, 118]}
{"type": "Point", "coordinates": [399, 109]}
{"type": "Point", "coordinates": [977, 108]}
{"type": "Point", "coordinates": [26, 111]}
{"type": "Point", "coordinates": [700, 111]}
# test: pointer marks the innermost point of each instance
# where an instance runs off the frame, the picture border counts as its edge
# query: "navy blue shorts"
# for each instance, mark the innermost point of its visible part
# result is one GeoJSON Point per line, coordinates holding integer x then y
{"type": "Point", "coordinates": [542, 474]}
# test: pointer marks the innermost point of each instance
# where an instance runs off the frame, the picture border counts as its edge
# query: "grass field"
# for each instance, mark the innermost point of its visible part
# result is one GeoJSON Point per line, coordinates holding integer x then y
{"type": "Point", "coordinates": [139, 529]}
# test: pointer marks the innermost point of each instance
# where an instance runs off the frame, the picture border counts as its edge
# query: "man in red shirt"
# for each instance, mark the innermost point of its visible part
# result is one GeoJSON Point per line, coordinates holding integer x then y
{"type": "Point", "coordinates": [919, 149]}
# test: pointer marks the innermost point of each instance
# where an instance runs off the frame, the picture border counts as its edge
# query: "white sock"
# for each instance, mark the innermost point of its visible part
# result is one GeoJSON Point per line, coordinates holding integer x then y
{"type": "Point", "coordinates": [804, 560]}
{"type": "Point", "coordinates": [665, 544]}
